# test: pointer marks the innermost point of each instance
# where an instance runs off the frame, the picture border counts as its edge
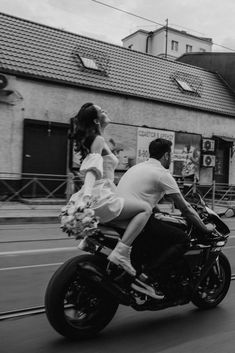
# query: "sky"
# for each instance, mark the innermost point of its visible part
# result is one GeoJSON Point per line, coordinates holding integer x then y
{"type": "Point", "coordinates": [209, 18]}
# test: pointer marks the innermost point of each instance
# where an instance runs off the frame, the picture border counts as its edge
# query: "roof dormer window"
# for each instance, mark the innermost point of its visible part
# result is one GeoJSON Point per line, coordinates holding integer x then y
{"type": "Point", "coordinates": [185, 86]}
{"type": "Point", "coordinates": [89, 63]}
{"type": "Point", "coordinates": [187, 83]}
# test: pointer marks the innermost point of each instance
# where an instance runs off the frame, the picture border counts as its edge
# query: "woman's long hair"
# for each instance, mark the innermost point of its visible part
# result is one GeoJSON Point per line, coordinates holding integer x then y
{"type": "Point", "coordinates": [85, 128]}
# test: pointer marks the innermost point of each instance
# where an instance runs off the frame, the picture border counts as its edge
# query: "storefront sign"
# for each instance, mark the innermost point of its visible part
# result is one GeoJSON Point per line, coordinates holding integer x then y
{"type": "Point", "coordinates": [145, 136]}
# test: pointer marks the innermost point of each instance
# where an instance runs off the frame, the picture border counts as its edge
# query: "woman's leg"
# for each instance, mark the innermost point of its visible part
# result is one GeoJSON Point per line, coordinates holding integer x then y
{"type": "Point", "coordinates": [138, 213]}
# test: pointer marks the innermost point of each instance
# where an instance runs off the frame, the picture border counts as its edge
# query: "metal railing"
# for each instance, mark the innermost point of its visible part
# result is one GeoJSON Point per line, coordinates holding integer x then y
{"type": "Point", "coordinates": [16, 186]}
{"type": "Point", "coordinates": [216, 194]}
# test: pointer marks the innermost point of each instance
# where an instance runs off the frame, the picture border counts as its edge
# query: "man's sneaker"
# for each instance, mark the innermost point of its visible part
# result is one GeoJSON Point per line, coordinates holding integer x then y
{"type": "Point", "coordinates": [140, 285]}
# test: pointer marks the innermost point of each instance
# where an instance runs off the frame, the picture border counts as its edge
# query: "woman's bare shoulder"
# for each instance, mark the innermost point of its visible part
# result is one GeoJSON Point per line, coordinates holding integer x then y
{"type": "Point", "coordinates": [98, 144]}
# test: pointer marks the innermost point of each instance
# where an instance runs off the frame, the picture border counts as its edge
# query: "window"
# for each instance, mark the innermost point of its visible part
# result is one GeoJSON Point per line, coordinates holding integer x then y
{"type": "Point", "coordinates": [187, 83]}
{"type": "Point", "coordinates": [189, 48]}
{"type": "Point", "coordinates": [174, 45]}
{"type": "Point", "coordinates": [185, 86]}
{"type": "Point", "coordinates": [130, 46]}
{"type": "Point", "coordinates": [92, 61]}
{"type": "Point", "coordinates": [202, 50]}
{"type": "Point", "coordinates": [89, 63]}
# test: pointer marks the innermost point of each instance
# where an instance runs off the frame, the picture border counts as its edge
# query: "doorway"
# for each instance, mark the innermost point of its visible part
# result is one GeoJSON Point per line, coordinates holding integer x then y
{"type": "Point", "coordinates": [44, 152]}
{"type": "Point", "coordinates": [222, 156]}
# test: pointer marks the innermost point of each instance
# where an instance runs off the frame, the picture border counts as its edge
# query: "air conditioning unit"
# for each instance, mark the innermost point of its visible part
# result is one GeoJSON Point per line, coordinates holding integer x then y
{"type": "Point", "coordinates": [208, 160]}
{"type": "Point", "coordinates": [208, 145]}
{"type": "Point", "coordinates": [3, 81]}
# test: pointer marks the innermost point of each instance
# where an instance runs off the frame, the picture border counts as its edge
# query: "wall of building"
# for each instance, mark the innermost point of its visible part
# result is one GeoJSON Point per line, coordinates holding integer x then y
{"type": "Point", "coordinates": [136, 41]}
{"type": "Point", "coordinates": [58, 103]}
{"type": "Point", "coordinates": [157, 43]}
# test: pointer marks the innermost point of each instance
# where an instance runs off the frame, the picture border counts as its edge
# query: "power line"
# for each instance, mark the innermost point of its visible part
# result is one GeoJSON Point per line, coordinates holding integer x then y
{"type": "Point", "coordinates": [127, 12]}
{"type": "Point", "coordinates": [152, 21]}
{"type": "Point", "coordinates": [222, 46]}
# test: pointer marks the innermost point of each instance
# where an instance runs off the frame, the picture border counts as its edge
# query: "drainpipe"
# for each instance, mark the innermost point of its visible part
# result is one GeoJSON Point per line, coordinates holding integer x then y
{"type": "Point", "coordinates": [166, 38]}
{"type": "Point", "coordinates": [147, 41]}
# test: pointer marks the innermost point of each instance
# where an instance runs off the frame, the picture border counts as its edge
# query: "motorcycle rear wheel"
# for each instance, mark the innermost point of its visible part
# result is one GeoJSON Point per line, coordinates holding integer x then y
{"type": "Point", "coordinates": [74, 307]}
{"type": "Point", "coordinates": [214, 287]}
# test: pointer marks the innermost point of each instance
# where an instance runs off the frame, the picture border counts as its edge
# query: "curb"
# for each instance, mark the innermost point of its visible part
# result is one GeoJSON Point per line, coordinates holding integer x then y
{"type": "Point", "coordinates": [22, 220]}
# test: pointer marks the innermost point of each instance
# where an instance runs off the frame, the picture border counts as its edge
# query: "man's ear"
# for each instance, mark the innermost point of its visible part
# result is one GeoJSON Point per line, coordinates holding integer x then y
{"type": "Point", "coordinates": [167, 156]}
{"type": "Point", "coordinates": [96, 121]}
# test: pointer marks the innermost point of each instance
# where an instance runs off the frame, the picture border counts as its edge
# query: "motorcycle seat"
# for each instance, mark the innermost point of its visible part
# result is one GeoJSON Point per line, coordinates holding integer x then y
{"type": "Point", "coordinates": [108, 231]}
{"type": "Point", "coordinates": [113, 229]}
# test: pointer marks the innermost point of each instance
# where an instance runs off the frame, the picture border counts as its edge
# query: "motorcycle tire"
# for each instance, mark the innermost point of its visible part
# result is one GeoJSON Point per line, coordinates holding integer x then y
{"type": "Point", "coordinates": [210, 293]}
{"type": "Point", "coordinates": [74, 307]}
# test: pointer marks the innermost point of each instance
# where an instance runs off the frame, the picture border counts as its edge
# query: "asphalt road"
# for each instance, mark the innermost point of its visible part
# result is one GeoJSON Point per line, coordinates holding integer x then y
{"type": "Point", "coordinates": [181, 329]}
{"type": "Point", "coordinates": [29, 254]}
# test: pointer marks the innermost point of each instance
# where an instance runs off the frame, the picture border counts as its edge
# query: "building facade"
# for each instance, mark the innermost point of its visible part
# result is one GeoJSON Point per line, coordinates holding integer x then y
{"type": "Point", "coordinates": [166, 42]}
{"type": "Point", "coordinates": [46, 75]}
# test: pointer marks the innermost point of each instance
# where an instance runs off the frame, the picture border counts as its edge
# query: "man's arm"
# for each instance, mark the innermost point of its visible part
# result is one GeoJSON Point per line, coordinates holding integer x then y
{"type": "Point", "coordinates": [189, 213]}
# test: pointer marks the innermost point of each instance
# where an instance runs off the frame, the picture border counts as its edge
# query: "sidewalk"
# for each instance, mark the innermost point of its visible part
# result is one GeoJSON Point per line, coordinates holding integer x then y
{"type": "Point", "coordinates": [18, 213]}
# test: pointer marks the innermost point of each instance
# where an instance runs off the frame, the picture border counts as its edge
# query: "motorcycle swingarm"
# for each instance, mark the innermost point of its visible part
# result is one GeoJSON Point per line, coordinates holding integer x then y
{"type": "Point", "coordinates": [100, 280]}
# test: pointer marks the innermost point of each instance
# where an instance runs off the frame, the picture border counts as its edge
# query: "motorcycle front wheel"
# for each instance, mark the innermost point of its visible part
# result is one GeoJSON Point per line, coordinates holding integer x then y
{"type": "Point", "coordinates": [74, 307]}
{"type": "Point", "coordinates": [215, 286]}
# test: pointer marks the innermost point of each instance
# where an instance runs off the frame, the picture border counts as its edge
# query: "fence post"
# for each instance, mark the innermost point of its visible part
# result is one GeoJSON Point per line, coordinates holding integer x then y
{"type": "Point", "coordinates": [70, 186]}
{"type": "Point", "coordinates": [213, 196]}
{"type": "Point", "coordinates": [34, 187]}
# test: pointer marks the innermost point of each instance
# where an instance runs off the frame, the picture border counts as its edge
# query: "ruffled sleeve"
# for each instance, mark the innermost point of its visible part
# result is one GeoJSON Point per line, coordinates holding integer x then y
{"type": "Point", "coordinates": [93, 162]}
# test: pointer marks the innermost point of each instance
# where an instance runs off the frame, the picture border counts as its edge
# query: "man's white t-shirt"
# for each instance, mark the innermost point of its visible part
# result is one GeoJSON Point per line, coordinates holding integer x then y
{"type": "Point", "coordinates": [147, 181]}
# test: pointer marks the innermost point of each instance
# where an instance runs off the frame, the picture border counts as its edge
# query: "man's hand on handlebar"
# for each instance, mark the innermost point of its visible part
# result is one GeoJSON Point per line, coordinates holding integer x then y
{"type": "Point", "coordinates": [210, 228]}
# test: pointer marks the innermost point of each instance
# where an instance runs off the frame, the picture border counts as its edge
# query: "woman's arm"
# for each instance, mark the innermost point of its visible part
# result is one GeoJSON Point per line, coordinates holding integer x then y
{"type": "Point", "coordinates": [90, 177]}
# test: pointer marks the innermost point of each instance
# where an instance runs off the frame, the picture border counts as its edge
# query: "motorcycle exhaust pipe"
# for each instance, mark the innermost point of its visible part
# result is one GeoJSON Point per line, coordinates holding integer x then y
{"type": "Point", "coordinates": [92, 274]}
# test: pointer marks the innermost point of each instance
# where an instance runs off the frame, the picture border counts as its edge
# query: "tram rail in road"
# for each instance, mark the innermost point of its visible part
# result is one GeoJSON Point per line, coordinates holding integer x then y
{"type": "Point", "coordinates": [14, 314]}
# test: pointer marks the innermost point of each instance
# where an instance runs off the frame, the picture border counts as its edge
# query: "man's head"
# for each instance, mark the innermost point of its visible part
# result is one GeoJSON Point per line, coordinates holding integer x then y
{"type": "Point", "coordinates": [160, 149]}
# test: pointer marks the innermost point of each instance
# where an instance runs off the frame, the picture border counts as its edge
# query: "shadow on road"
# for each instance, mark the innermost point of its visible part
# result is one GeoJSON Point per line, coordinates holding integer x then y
{"type": "Point", "coordinates": [152, 332]}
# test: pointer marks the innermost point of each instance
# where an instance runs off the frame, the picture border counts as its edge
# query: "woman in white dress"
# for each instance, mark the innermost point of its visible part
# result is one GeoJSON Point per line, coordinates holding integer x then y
{"type": "Point", "coordinates": [98, 168]}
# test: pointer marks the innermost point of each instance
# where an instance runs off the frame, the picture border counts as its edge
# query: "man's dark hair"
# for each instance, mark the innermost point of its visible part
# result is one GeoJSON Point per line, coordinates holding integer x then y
{"type": "Point", "coordinates": [158, 147]}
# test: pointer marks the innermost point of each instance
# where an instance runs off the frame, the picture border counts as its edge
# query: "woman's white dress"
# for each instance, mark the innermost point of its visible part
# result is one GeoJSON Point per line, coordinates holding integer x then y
{"type": "Point", "coordinates": [105, 201]}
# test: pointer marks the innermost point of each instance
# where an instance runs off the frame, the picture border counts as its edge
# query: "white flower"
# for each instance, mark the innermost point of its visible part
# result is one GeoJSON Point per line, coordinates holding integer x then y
{"type": "Point", "coordinates": [89, 212]}
{"type": "Point", "coordinates": [86, 220]}
{"type": "Point", "coordinates": [72, 210]}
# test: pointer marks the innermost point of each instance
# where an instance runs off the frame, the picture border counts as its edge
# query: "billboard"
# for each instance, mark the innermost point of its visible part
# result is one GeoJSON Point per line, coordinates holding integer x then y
{"type": "Point", "coordinates": [145, 136]}
{"type": "Point", "coordinates": [187, 155]}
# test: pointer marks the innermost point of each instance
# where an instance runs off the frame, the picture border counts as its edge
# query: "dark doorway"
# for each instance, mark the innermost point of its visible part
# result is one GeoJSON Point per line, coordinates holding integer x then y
{"type": "Point", "coordinates": [222, 161]}
{"type": "Point", "coordinates": [44, 152]}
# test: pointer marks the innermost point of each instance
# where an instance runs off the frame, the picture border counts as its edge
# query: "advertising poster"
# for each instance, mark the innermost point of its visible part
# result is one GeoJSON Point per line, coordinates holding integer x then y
{"type": "Point", "coordinates": [145, 136]}
{"type": "Point", "coordinates": [122, 140]}
{"type": "Point", "coordinates": [187, 155]}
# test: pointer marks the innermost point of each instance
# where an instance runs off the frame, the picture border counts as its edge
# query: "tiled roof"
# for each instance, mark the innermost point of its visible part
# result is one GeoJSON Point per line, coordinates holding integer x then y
{"type": "Point", "coordinates": [36, 50]}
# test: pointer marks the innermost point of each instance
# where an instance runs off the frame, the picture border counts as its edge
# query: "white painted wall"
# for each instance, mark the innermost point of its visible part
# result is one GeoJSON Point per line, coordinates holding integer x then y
{"type": "Point", "coordinates": [137, 41]}
{"type": "Point", "coordinates": [58, 103]}
{"type": "Point", "coordinates": [157, 43]}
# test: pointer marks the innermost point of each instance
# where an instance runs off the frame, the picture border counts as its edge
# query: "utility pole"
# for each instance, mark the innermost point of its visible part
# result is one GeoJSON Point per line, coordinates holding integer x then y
{"type": "Point", "coordinates": [166, 38]}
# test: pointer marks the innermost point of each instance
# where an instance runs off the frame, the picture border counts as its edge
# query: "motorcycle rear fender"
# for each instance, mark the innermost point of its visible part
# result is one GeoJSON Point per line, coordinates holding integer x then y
{"type": "Point", "coordinates": [95, 276]}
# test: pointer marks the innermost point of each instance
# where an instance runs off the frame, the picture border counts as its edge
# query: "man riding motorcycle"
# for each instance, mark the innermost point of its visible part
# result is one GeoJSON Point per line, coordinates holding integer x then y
{"type": "Point", "coordinates": [84, 293]}
{"type": "Point", "coordinates": [149, 181]}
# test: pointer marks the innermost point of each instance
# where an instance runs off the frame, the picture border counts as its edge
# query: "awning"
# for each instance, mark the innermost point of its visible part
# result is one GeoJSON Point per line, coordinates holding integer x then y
{"type": "Point", "coordinates": [226, 138]}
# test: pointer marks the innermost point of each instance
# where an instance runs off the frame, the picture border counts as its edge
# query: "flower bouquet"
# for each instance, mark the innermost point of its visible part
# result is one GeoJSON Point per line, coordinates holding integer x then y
{"type": "Point", "coordinates": [78, 219]}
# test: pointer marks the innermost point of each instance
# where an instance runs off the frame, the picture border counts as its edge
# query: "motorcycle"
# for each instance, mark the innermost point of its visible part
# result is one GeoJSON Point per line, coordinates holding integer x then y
{"type": "Point", "coordinates": [83, 295]}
